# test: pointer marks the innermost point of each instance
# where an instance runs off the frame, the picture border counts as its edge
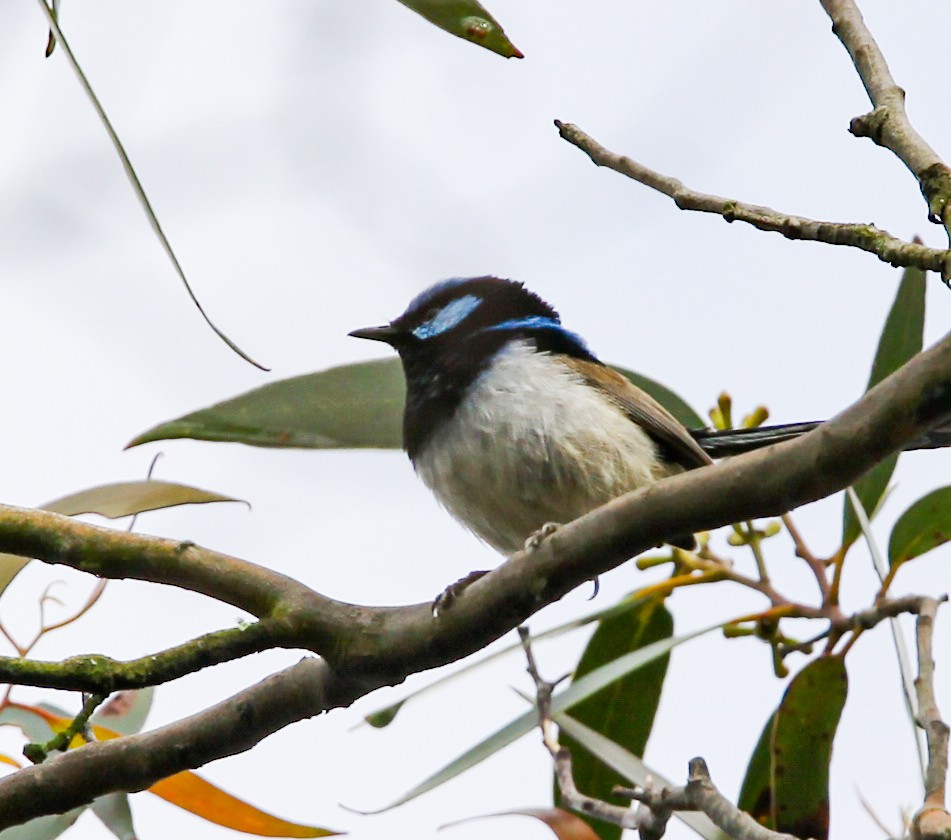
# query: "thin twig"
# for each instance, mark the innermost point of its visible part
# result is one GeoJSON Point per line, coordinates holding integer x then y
{"type": "Point", "coordinates": [888, 124]}
{"type": "Point", "coordinates": [38, 753]}
{"type": "Point", "coordinates": [932, 820]}
{"type": "Point", "coordinates": [803, 552]}
{"type": "Point", "coordinates": [700, 794]}
{"type": "Point", "coordinates": [866, 237]}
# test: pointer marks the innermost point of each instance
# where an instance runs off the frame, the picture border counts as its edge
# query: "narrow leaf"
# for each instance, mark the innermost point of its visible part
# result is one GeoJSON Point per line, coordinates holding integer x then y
{"type": "Point", "coordinates": [352, 407]}
{"type": "Point", "coordinates": [924, 526]}
{"type": "Point", "coordinates": [114, 501]}
{"type": "Point", "coordinates": [193, 793]}
{"type": "Point", "coordinates": [623, 711]}
{"type": "Point", "coordinates": [114, 812]}
{"type": "Point", "coordinates": [805, 726]}
{"type": "Point", "coordinates": [51, 40]}
{"type": "Point", "coordinates": [137, 188]}
{"type": "Point", "coordinates": [30, 720]}
{"type": "Point", "coordinates": [127, 498]}
{"type": "Point", "coordinates": [466, 19]}
{"type": "Point", "coordinates": [563, 824]}
{"type": "Point", "coordinates": [756, 794]}
{"type": "Point", "coordinates": [900, 340]}
{"type": "Point", "coordinates": [44, 828]}
{"type": "Point", "coordinates": [667, 398]}
{"type": "Point", "coordinates": [385, 716]}
{"type": "Point", "coordinates": [633, 769]}
{"type": "Point", "coordinates": [187, 790]}
{"type": "Point", "coordinates": [356, 406]}
{"type": "Point", "coordinates": [575, 693]}
{"type": "Point", "coordinates": [126, 711]}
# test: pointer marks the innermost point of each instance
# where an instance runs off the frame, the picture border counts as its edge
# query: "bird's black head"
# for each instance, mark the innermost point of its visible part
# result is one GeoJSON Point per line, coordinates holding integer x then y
{"type": "Point", "coordinates": [483, 311]}
{"type": "Point", "coordinates": [451, 332]}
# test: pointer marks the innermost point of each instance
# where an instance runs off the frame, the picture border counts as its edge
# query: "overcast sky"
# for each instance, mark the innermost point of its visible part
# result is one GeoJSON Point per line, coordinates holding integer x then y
{"type": "Point", "coordinates": [315, 164]}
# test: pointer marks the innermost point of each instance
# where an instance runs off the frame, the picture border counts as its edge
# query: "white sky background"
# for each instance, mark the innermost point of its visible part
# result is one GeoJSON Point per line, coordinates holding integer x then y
{"type": "Point", "coordinates": [315, 164]}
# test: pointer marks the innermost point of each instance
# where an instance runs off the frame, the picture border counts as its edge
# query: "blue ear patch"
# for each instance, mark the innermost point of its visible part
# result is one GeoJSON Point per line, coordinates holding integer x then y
{"type": "Point", "coordinates": [452, 314]}
{"type": "Point", "coordinates": [537, 323]}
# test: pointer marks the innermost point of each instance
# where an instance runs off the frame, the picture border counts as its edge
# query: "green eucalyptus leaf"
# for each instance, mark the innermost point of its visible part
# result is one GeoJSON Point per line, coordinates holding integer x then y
{"type": "Point", "coordinates": [350, 407]}
{"type": "Point", "coordinates": [924, 526]}
{"type": "Point", "coordinates": [33, 725]}
{"type": "Point", "coordinates": [384, 716]}
{"type": "Point", "coordinates": [756, 794]}
{"type": "Point", "coordinates": [803, 732]}
{"type": "Point", "coordinates": [126, 711]}
{"type": "Point", "coordinates": [44, 828]}
{"type": "Point", "coordinates": [115, 814]}
{"type": "Point", "coordinates": [623, 711]}
{"type": "Point", "coordinates": [578, 691]}
{"type": "Point", "coordinates": [126, 498]}
{"type": "Point", "coordinates": [632, 769]}
{"type": "Point", "coordinates": [356, 406]}
{"type": "Point", "coordinates": [667, 398]}
{"type": "Point", "coordinates": [900, 340]}
{"type": "Point", "coordinates": [466, 19]}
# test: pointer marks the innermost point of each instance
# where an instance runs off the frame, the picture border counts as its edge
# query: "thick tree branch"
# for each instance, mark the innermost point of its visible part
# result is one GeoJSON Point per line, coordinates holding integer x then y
{"type": "Point", "coordinates": [77, 777]}
{"type": "Point", "coordinates": [367, 647]}
{"type": "Point", "coordinates": [888, 124]}
{"type": "Point", "coordinates": [866, 237]}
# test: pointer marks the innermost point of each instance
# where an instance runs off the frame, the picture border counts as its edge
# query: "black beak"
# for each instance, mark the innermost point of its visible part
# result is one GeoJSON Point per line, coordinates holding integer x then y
{"type": "Point", "coordinates": [387, 334]}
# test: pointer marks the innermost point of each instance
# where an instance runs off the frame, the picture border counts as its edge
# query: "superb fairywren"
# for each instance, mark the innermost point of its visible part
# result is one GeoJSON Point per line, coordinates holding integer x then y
{"type": "Point", "coordinates": [513, 423]}
{"type": "Point", "coordinates": [510, 419]}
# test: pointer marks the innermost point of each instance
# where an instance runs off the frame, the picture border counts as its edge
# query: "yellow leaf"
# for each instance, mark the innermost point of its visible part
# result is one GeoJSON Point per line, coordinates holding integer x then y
{"type": "Point", "coordinates": [191, 792]}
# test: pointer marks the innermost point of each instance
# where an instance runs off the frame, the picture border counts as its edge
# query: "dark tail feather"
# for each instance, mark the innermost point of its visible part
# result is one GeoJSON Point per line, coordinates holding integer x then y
{"type": "Point", "coordinates": [719, 444]}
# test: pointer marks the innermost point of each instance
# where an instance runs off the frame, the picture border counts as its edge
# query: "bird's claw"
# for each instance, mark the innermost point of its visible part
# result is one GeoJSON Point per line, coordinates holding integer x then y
{"type": "Point", "coordinates": [536, 539]}
{"type": "Point", "coordinates": [448, 596]}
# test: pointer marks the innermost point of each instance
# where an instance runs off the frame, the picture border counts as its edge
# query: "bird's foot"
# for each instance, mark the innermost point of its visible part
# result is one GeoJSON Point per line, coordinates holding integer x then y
{"type": "Point", "coordinates": [449, 595]}
{"type": "Point", "coordinates": [535, 540]}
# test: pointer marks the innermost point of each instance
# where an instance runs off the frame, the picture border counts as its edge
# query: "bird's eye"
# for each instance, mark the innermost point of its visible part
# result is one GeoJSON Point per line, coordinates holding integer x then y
{"type": "Point", "coordinates": [440, 319]}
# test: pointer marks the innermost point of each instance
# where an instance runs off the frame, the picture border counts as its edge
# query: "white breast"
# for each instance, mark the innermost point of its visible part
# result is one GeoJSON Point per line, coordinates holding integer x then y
{"type": "Point", "coordinates": [530, 444]}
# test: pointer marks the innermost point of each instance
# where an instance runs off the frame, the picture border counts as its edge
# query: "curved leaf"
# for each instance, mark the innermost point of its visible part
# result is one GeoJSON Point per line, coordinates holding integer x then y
{"type": "Point", "coordinates": [575, 693]}
{"type": "Point", "coordinates": [114, 501]}
{"type": "Point", "coordinates": [563, 824]}
{"type": "Point", "coordinates": [623, 711]}
{"type": "Point", "coordinates": [355, 406]}
{"type": "Point", "coordinates": [924, 526]}
{"type": "Point", "coordinates": [466, 19]}
{"type": "Point", "coordinates": [127, 498]}
{"type": "Point", "coordinates": [193, 793]}
{"type": "Point", "coordinates": [633, 770]}
{"type": "Point", "coordinates": [187, 790]}
{"type": "Point", "coordinates": [125, 711]}
{"type": "Point", "coordinates": [115, 813]}
{"type": "Point", "coordinates": [900, 340]}
{"type": "Point", "coordinates": [351, 407]}
{"type": "Point", "coordinates": [756, 794]}
{"type": "Point", "coordinates": [44, 828]}
{"type": "Point", "coordinates": [387, 714]}
{"type": "Point", "coordinates": [805, 726]}
{"type": "Point", "coordinates": [667, 398]}
{"type": "Point", "coordinates": [56, 34]}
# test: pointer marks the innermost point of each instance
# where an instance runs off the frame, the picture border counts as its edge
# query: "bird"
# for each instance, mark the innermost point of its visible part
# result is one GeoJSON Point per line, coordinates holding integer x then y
{"type": "Point", "coordinates": [516, 426]}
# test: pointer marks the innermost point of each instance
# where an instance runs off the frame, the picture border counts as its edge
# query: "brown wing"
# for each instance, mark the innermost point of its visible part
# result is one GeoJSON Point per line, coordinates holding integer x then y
{"type": "Point", "coordinates": [673, 437]}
